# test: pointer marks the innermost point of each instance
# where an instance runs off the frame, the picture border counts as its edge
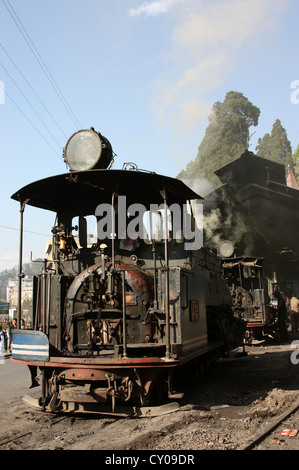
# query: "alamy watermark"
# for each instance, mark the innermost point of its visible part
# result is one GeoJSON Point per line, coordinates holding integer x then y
{"type": "Point", "coordinates": [184, 224]}
{"type": "Point", "coordinates": [295, 354]}
{"type": "Point", "coordinates": [295, 93]}
{"type": "Point", "coordinates": [2, 93]}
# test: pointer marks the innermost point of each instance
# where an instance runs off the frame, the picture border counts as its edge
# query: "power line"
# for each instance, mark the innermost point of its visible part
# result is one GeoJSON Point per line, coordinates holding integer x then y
{"type": "Point", "coordinates": [32, 89]}
{"type": "Point", "coordinates": [41, 62]}
{"type": "Point", "coordinates": [27, 231]}
{"type": "Point", "coordinates": [29, 120]}
{"type": "Point", "coordinates": [12, 79]}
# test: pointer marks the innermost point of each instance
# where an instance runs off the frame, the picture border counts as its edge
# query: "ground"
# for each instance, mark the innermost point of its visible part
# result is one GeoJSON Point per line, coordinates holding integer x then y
{"type": "Point", "coordinates": [222, 409]}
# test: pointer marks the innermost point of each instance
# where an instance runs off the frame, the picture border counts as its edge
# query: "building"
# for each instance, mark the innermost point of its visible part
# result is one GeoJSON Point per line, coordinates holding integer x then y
{"type": "Point", "coordinates": [12, 296]}
{"type": "Point", "coordinates": [256, 209]}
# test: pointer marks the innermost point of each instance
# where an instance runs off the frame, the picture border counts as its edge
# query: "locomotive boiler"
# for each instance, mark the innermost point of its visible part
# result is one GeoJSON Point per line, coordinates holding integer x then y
{"type": "Point", "coordinates": [127, 295]}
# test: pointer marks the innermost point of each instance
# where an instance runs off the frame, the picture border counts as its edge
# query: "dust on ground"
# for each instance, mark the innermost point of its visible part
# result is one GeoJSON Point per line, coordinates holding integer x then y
{"type": "Point", "coordinates": [221, 410]}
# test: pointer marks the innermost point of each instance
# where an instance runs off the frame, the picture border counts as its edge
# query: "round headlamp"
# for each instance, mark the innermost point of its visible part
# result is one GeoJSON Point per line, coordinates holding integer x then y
{"type": "Point", "coordinates": [86, 150]}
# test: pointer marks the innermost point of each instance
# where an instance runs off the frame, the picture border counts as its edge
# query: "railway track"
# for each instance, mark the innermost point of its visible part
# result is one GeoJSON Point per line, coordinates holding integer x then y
{"type": "Point", "coordinates": [270, 428]}
{"type": "Point", "coordinates": [248, 395]}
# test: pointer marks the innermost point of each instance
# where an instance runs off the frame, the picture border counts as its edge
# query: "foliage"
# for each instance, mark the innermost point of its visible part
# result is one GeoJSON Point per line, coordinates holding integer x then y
{"type": "Point", "coordinates": [226, 137]}
{"type": "Point", "coordinates": [295, 158]}
{"type": "Point", "coordinates": [276, 146]}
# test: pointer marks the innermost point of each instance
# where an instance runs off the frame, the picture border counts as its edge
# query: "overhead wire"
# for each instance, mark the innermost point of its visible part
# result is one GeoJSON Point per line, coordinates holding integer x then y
{"type": "Point", "coordinates": [30, 121]}
{"type": "Point", "coordinates": [53, 83]}
{"type": "Point", "coordinates": [27, 231]}
{"type": "Point", "coordinates": [41, 62]}
{"type": "Point", "coordinates": [39, 117]}
{"type": "Point", "coordinates": [33, 90]}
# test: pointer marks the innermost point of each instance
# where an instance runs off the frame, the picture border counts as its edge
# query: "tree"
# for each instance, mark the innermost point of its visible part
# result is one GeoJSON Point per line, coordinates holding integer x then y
{"type": "Point", "coordinates": [295, 158]}
{"type": "Point", "coordinates": [276, 146]}
{"type": "Point", "coordinates": [226, 137]}
{"type": "Point", "coordinates": [263, 149]}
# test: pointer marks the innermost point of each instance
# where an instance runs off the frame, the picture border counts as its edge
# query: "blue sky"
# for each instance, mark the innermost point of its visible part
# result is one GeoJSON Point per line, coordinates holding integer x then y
{"type": "Point", "coordinates": [143, 73]}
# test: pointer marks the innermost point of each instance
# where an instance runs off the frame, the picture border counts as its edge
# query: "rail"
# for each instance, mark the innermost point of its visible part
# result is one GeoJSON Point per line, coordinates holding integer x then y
{"type": "Point", "coordinates": [270, 427]}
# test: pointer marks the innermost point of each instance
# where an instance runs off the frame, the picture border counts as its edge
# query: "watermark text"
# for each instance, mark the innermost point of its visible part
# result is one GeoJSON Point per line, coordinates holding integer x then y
{"type": "Point", "coordinates": [295, 93]}
{"type": "Point", "coordinates": [295, 354]}
{"type": "Point", "coordinates": [159, 222]}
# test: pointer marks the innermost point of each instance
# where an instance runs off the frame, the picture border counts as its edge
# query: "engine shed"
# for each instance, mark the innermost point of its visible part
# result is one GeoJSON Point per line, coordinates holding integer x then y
{"type": "Point", "coordinates": [259, 212]}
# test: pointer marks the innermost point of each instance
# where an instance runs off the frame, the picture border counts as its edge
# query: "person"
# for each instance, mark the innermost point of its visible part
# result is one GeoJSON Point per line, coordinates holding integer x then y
{"type": "Point", "coordinates": [2, 341]}
{"type": "Point", "coordinates": [282, 315]}
{"type": "Point", "coordinates": [294, 312]}
{"type": "Point", "coordinates": [9, 337]}
{"type": "Point", "coordinates": [22, 324]}
{"type": "Point", "coordinates": [11, 326]}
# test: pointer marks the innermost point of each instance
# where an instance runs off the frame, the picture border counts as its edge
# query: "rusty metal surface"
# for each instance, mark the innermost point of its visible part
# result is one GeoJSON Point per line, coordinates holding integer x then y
{"type": "Point", "coordinates": [123, 363]}
{"type": "Point", "coordinates": [121, 411]}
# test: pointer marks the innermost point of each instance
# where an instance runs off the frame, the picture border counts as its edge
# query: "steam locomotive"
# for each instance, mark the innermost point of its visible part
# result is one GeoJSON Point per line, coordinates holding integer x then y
{"type": "Point", "coordinates": [252, 292]}
{"type": "Point", "coordinates": [123, 304]}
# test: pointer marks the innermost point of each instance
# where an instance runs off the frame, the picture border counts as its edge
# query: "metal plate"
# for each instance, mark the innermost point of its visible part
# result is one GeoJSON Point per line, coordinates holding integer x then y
{"type": "Point", "coordinates": [30, 345]}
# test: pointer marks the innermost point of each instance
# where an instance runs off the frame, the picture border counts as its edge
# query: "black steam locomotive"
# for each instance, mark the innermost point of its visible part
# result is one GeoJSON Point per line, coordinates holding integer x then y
{"type": "Point", "coordinates": [251, 292]}
{"type": "Point", "coordinates": [122, 304]}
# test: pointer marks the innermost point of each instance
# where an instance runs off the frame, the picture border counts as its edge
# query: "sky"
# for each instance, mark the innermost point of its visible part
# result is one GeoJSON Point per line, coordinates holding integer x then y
{"type": "Point", "coordinates": [145, 74]}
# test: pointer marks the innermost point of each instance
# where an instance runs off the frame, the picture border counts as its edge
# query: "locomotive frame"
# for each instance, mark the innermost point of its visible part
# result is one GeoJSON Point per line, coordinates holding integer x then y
{"type": "Point", "coordinates": [115, 318]}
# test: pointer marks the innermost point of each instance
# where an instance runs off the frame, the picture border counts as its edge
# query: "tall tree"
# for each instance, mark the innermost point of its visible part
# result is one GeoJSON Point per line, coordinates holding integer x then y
{"type": "Point", "coordinates": [276, 146]}
{"type": "Point", "coordinates": [226, 137]}
{"type": "Point", "coordinates": [295, 158]}
{"type": "Point", "coordinates": [263, 149]}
